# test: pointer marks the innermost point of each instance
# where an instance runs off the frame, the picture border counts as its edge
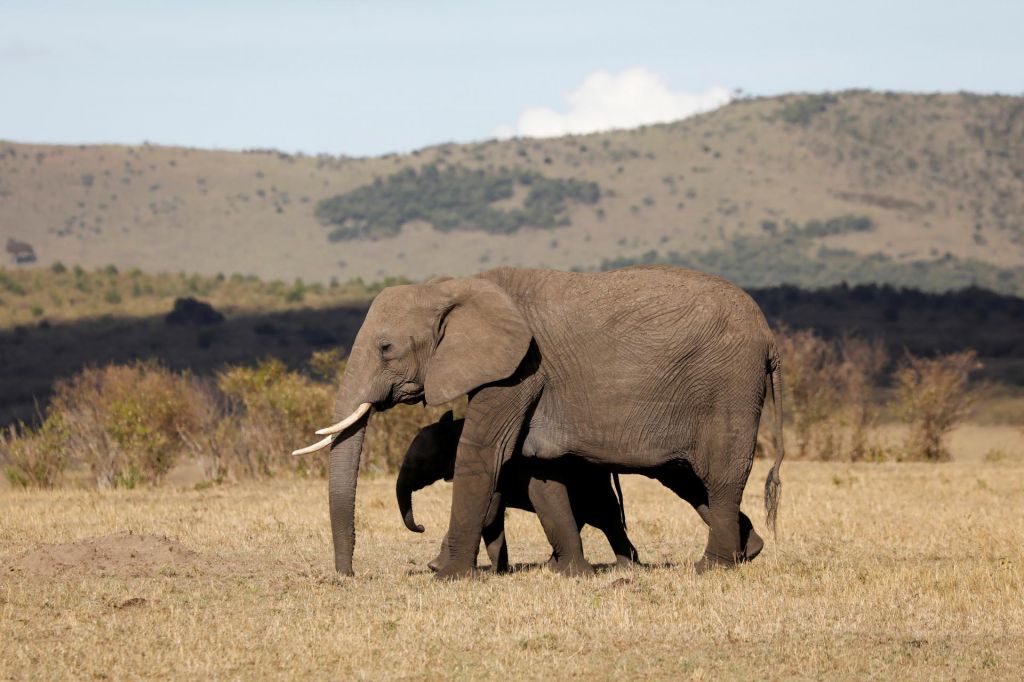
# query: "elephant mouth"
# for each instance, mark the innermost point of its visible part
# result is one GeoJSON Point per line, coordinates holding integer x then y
{"type": "Point", "coordinates": [407, 393]}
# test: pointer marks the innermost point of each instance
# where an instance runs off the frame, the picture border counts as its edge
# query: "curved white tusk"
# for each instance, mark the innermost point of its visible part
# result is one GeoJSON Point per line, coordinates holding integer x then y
{"type": "Point", "coordinates": [314, 447]}
{"type": "Point", "coordinates": [346, 422]}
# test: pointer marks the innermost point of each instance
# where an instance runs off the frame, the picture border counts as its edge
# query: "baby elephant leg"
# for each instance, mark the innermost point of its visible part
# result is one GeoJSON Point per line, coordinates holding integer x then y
{"type": "Point", "coordinates": [597, 505]}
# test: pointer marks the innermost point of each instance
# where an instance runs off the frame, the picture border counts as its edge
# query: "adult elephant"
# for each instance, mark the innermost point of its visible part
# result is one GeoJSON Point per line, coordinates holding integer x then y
{"type": "Point", "coordinates": [653, 370]}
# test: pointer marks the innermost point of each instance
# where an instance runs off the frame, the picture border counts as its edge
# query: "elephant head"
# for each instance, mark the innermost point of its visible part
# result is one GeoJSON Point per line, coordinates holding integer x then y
{"type": "Point", "coordinates": [430, 457]}
{"type": "Point", "coordinates": [428, 343]}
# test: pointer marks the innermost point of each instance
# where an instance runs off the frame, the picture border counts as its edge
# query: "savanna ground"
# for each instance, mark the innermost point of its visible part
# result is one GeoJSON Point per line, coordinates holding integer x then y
{"type": "Point", "coordinates": [894, 570]}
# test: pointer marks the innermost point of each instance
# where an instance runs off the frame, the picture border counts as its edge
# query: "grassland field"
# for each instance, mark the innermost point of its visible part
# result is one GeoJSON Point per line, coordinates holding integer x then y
{"type": "Point", "coordinates": [885, 571]}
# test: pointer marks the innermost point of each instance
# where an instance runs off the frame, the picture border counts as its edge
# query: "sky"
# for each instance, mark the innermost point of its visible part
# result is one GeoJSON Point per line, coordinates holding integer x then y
{"type": "Point", "coordinates": [366, 78]}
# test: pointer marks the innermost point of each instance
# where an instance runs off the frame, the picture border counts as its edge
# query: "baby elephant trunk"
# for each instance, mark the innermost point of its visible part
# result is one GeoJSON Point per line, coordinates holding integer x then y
{"type": "Point", "coordinates": [404, 489]}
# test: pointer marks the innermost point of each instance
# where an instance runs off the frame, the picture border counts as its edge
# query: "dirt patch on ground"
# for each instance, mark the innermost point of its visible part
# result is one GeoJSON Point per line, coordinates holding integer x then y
{"type": "Point", "coordinates": [120, 555]}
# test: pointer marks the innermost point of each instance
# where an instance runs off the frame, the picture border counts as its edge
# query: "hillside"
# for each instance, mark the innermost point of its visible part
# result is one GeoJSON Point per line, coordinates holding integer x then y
{"type": "Point", "coordinates": [915, 190]}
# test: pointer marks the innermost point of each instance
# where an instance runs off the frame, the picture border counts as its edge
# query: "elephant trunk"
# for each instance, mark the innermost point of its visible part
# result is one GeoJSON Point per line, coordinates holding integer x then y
{"type": "Point", "coordinates": [358, 387]}
{"type": "Point", "coordinates": [404, 489]}
{"type": "Point", "coordinates": [344, 470]}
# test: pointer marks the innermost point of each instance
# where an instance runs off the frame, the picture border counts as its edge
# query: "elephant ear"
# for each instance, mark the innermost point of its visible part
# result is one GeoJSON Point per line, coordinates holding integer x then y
{"type": "Point", "coordinates": [481, 338]}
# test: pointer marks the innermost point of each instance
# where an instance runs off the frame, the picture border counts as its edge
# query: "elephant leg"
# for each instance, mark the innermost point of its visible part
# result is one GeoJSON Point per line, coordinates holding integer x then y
{"type": "Point", "coordinates": [550, 500]}
{"type": "Point", "coordinates": [729, 455]}
{"type": "Point", "coordinates": [687, 486]}
{"type": "Point", "coordinates": [493, 537]}
{"type": "Point", "coordinates": [494, 540]}
{"type": "Point", "coordinates": [442, 556]}
{"type": "Point", "coordinates": [493, 421]}
{"type": "Point", "coordinates": [723, 548]}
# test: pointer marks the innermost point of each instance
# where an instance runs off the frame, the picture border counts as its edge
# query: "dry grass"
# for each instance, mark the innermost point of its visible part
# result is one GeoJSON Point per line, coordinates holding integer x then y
{"type": "Point", "coordinates": [898, 571]}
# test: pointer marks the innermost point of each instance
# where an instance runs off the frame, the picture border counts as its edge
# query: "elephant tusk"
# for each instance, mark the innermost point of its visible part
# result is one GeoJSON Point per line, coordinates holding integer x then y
{"type": "Point", "coordinates": [346, 422]}
{"type": "Point", "coordinates": [320, 445]}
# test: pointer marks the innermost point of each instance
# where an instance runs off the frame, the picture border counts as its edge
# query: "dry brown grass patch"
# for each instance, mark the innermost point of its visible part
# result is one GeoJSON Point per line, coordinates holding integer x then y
{"type": "Point", "coordinates": [875, 574]}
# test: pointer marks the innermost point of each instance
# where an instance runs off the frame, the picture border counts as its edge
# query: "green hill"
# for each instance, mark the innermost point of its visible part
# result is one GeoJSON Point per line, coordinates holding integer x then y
{"type": "Point", "coordinates": [915, 190]}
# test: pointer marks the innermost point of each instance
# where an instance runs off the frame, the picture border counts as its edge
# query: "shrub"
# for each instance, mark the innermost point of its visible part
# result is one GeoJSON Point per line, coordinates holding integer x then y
{"type": "Point", "coordinates": [931, 397]}
{"type": "Point", "coordinates": [328, 365]}
{"type": "Point", "coordinates": [277, 409]}
{"type": "Point", "coordinates": [811, 394]}
{"type": "Point", "coordinates": [830, 394]}
{"type": "Point", "coordinates": [125, 422]}
{"type": "Point", "coordinates": [10, 285]}
{"type": "Point", "coordinates": [36, 458]}
{"type": "Point", "coordinates": [212, 439]}
{"type": "Point", "coordinates": [129, 424]}
{"type": "Point", "coordinates": [860, 369]}
{"type": "Point", "coordinates": [297, 293]}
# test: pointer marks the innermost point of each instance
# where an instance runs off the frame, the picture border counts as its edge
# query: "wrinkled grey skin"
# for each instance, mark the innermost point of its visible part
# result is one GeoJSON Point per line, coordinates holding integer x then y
{"type": "Point", "coordinates": [431, 458]}
{"type": "Point", "coordinates": [653, 370]}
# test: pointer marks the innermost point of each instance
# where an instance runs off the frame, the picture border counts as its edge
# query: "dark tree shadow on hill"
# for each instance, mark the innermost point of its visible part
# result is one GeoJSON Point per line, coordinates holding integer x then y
{"type": "Point", "coordinates": [32, 358]}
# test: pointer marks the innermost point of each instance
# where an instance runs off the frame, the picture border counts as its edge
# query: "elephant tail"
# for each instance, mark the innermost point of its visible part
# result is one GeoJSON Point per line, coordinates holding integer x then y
{"type": "Point", "coordinates": [622, 500]}
{"type": "Point", "coordinates": [773, 484]}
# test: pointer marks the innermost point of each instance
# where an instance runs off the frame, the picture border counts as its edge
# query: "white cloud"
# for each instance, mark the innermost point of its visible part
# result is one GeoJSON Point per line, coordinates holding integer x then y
{"type": "Point", "coordinates": [605, 101]}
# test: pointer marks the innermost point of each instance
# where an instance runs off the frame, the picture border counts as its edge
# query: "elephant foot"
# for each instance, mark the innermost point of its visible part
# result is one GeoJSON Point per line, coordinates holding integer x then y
{"type": "Point", "coordinates": [570, 568]}
{"type": "Point", "coordinates": [450, 572]}
{"type": "Point", "coordinates": [709, 562]}
{"type": "Point", "coordinates": [753, 546]}
{"type": "Point", "coordinates": [627, 561]}
{"type": "Point", "coordinates": [501, 568]}
{"type": "Point", "coordinates": [749, 539]}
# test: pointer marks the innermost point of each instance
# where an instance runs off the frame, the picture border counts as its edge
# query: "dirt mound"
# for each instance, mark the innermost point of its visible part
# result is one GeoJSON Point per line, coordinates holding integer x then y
{"type": "Point", "coordinates": [121, 554]}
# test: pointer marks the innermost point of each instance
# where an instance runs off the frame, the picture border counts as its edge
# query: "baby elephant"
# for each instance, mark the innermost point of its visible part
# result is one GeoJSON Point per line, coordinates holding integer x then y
{"type": "Point", "coordinates": [523, 485]}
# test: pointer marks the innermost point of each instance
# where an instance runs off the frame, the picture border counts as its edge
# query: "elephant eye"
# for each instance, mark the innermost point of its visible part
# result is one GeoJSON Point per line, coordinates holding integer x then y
{"type": "Point", "coordinates": [384, 346]}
